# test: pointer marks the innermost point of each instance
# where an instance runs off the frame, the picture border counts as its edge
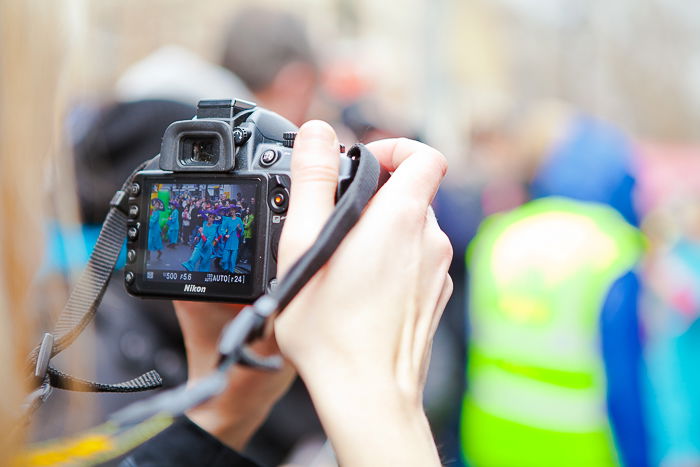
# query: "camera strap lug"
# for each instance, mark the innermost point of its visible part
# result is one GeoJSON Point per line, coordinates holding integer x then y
{"type": "Point", "coordinates": [120, 201]}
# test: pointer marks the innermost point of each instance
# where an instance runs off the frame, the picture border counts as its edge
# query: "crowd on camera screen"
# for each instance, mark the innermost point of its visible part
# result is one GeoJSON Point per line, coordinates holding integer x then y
{"type": "Point", "coordinates": [218, 220]}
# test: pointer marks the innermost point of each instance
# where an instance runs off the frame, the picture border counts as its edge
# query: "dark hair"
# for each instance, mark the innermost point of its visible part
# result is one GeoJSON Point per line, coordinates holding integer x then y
{"type": "Point", "coordinates": [278, 38]}
{"type": "Point", "coordinates": [118, 139]}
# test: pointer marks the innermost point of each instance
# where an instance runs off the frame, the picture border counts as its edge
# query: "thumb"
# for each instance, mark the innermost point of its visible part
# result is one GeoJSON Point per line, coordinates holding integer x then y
{"type": "Point", "coordinates": [315, 162]}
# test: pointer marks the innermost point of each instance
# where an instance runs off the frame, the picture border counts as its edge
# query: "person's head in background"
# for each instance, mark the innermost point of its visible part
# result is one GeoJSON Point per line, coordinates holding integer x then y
{"type": "Point", "coordinates": [270, 52]}
{"type": "Point", "coordinates": [511, 140]}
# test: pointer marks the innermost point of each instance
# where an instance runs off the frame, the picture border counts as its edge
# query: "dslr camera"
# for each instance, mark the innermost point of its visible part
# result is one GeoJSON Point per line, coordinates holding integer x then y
{"type": "Point", "coordinates": [205, 216]}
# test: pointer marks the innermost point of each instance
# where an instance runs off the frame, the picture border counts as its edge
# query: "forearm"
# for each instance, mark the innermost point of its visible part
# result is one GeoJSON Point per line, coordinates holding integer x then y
{"type": "Point", "coordinates": [370, 422]}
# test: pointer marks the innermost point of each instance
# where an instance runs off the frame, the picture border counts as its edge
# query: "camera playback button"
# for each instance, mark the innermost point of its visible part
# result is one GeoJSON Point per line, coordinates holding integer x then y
{"type": "Point", "coordinates": [129, 277]}
{"type": "Point", "coordinates": [134, 189]}
{"type": "Point", "coordinates": [269, 157]}
{"type": "Point", "coordinates": [132, 233]}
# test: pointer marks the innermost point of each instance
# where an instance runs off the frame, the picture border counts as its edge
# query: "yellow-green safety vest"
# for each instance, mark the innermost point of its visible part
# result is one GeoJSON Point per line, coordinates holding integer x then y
{"type": "Point", "coordinates": [539, 276]}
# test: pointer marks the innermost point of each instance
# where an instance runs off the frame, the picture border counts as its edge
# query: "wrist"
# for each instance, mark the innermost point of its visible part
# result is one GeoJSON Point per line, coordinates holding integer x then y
{"type": "Point", "coordinates": [370, 420]}
{"type": "Point", "coordinates": [231, 427]}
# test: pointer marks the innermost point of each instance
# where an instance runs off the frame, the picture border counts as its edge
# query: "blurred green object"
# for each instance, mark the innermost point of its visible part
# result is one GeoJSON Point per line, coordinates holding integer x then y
{"type": "Point", "coordinates": [540, 275]}
{"type": "Point", "coordinates": [164, 196]}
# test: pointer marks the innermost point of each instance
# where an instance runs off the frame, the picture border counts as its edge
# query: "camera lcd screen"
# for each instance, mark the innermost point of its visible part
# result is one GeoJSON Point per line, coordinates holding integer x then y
{"type": "Point", "coordinates": [202, 235]}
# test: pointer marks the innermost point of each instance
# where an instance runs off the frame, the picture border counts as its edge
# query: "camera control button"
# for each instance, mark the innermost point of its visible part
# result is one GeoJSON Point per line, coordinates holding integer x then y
{"type": "Point", "coordinates": [131, 256]}
{"type": "Point", "coordinates": [134, 189]}
{"type": "Point", "coordinates": [129, 277]}
{"type": "Point", "coordinates": [240, 135]}
{"type": "Point", "coordinates": [132, 233]}
{"type": "Point", "coordinates": [269, 157]}
{"type": "Point", "coordinates": [279, 198]}
{"type": "Point", "coordinates": [133, 211]}
{"type": "Point", "coordinates": [289, 137]}
{"type": "Point", "coordinates": [272, 285]}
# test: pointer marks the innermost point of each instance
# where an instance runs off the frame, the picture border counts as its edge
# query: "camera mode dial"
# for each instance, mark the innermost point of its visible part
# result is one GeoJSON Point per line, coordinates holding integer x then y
{"type": "Point", "coordinates": [240, 135]}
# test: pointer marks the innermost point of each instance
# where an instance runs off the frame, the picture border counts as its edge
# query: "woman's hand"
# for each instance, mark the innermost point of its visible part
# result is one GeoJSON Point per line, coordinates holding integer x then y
{"type": "Point", "coordinates": [360, 332]}
{"type": "Point", "coordinates": [236, 414]}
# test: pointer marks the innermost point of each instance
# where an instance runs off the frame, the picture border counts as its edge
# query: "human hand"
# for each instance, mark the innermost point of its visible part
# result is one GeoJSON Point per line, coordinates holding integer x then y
{"type": "Point", "coordinates": [234, 415]}
{"type": "Point", "coordinates": [360, 331]}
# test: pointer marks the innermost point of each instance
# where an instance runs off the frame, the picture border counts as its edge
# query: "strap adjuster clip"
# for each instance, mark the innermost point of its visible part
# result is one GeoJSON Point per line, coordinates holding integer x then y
{"type": "Point", "coordinates": [44, 356]}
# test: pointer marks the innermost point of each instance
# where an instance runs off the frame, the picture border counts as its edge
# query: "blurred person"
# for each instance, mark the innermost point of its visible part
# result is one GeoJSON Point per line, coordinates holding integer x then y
{"type": "Point", "coordinates": [671, 310]}
{"type": "Point", "coordinates": [231, 231]}
{"type": "Point", "coordinates": [173, 225]}
{"type": "Point", "coordinates": [554, 297]}
{"type": "Point", "coordinates": [267, 58]}
{"type": "Point", "coordinates": [277, 63]}
{"type": "Point", "coordinates": [388, 373]}
{"type": "Point", "coordinates": [278, 72]}
{"type": "Point", "coordinates": [206, 241]}
{"type": "Point", "coordinates": [248, 221]}
{"type": "Point", "coordinates": [135, 335]}
{"type": "Point", "coordinates": [155, 234]}
{"type": "Point", "coordinates": [394, 381]}
{"type": "Point", "coordinates": [549, 148]}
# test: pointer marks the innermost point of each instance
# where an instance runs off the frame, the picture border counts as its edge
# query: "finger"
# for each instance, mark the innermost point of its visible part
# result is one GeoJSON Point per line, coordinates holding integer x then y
{"type": "Point", "coordinates": [201, 324]}
{"type": "Point", "coordinates": [417, 169]}
{"type": "Point", "coordinates": [315, 162]}
{"type": "Point", "coordinates": [433, 271]}
{"type": "Point", "coordinates": [440, 305]}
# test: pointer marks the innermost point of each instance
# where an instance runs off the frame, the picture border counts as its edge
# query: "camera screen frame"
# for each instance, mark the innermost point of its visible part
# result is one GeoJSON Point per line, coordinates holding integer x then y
{"type": "Point", "coordinates": [236, 292]}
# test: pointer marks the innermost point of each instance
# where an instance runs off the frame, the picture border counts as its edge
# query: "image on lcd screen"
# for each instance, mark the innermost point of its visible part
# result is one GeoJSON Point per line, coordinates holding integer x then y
{"type": "Point", "coordinates": [202, 232]}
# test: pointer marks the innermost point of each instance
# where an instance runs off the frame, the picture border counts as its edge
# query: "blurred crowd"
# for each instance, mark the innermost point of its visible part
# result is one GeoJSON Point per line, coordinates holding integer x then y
{"type": "Point", "coordinates": [572, 335]}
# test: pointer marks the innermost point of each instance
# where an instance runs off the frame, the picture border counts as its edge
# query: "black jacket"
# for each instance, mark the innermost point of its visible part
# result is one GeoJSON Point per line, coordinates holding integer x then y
{"type": "Point", "coordinates": [185, 444]}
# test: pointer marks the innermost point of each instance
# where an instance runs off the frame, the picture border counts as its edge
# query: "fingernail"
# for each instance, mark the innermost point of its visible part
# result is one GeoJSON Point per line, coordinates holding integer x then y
{"type": "Point", "coordinates": [317, 130]}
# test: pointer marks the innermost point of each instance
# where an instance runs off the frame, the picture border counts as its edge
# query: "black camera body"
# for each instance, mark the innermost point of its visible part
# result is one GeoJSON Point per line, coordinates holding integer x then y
{"type": "Point", "coordinates": [205, 216]}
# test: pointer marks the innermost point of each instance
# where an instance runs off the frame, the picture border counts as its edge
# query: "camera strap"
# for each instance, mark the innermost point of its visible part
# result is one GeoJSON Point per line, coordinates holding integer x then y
{"type": "Point", "coordinates": [79, 311]}
{"type": "Point", "coordinates": [250, 322]}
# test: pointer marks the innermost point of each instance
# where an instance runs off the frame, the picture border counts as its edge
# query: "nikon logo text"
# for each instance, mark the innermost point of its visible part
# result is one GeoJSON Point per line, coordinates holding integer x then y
{"type": "Point", "coordinates": [194, 288]}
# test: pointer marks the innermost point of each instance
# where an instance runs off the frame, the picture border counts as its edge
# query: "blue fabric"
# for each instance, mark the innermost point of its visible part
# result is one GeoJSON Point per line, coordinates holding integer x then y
{"type": "Point", "coordinates": [201, 256]}
{"type": "Point", "coordinates": [671, 354]}
{"type": "Point", "coordinates": [229, 260]}
{"type": "Point", "coordinates": [593, 163]}
{"type": "Point", "coordinates": [68, 251]}
{"type": "Point", "coordinates": [155, 240]}
{"type": "Point", "coordinates": [173, 226]}
{"type": "Point", "coordinates": [624, 367]}
{"type": "Point", "coordinates": [229, 226]}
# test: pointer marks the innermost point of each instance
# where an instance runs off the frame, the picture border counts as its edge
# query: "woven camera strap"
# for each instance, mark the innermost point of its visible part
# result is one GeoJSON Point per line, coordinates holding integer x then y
{"type": "Point", "coordinates": [80, 309]}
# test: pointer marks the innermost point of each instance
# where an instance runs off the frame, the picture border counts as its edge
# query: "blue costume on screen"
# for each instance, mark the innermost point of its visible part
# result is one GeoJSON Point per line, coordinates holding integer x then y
{"type": "Point", "coordinates": [155, 241]}
{"type": "Point", "coordinates": [201, 256]}
{"type": "Point", "coordinates": [234, 228]}
{"type": "Point", "coordinates": [173, 226]}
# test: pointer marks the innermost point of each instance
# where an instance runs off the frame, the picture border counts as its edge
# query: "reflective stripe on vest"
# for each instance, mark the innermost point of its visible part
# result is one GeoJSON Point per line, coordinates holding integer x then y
{"type": "Point", "coordinates": [539, 278]}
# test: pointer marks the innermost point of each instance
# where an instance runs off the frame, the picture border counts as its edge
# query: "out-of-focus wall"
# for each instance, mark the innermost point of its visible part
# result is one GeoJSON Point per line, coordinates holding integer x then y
{"type": "Point", "coordinates": [634, 62]}
{"type": "Point", "coordinates": [436, 65]}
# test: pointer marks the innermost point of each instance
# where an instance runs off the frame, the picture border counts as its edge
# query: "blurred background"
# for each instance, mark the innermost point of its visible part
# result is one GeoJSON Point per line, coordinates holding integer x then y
{"type": "Point", "coordinates": [571, 127]}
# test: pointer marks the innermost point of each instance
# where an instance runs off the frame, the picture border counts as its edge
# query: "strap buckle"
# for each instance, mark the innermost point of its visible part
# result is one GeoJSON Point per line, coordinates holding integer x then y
{"type": "Point", "coordinates": [44, 356]}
